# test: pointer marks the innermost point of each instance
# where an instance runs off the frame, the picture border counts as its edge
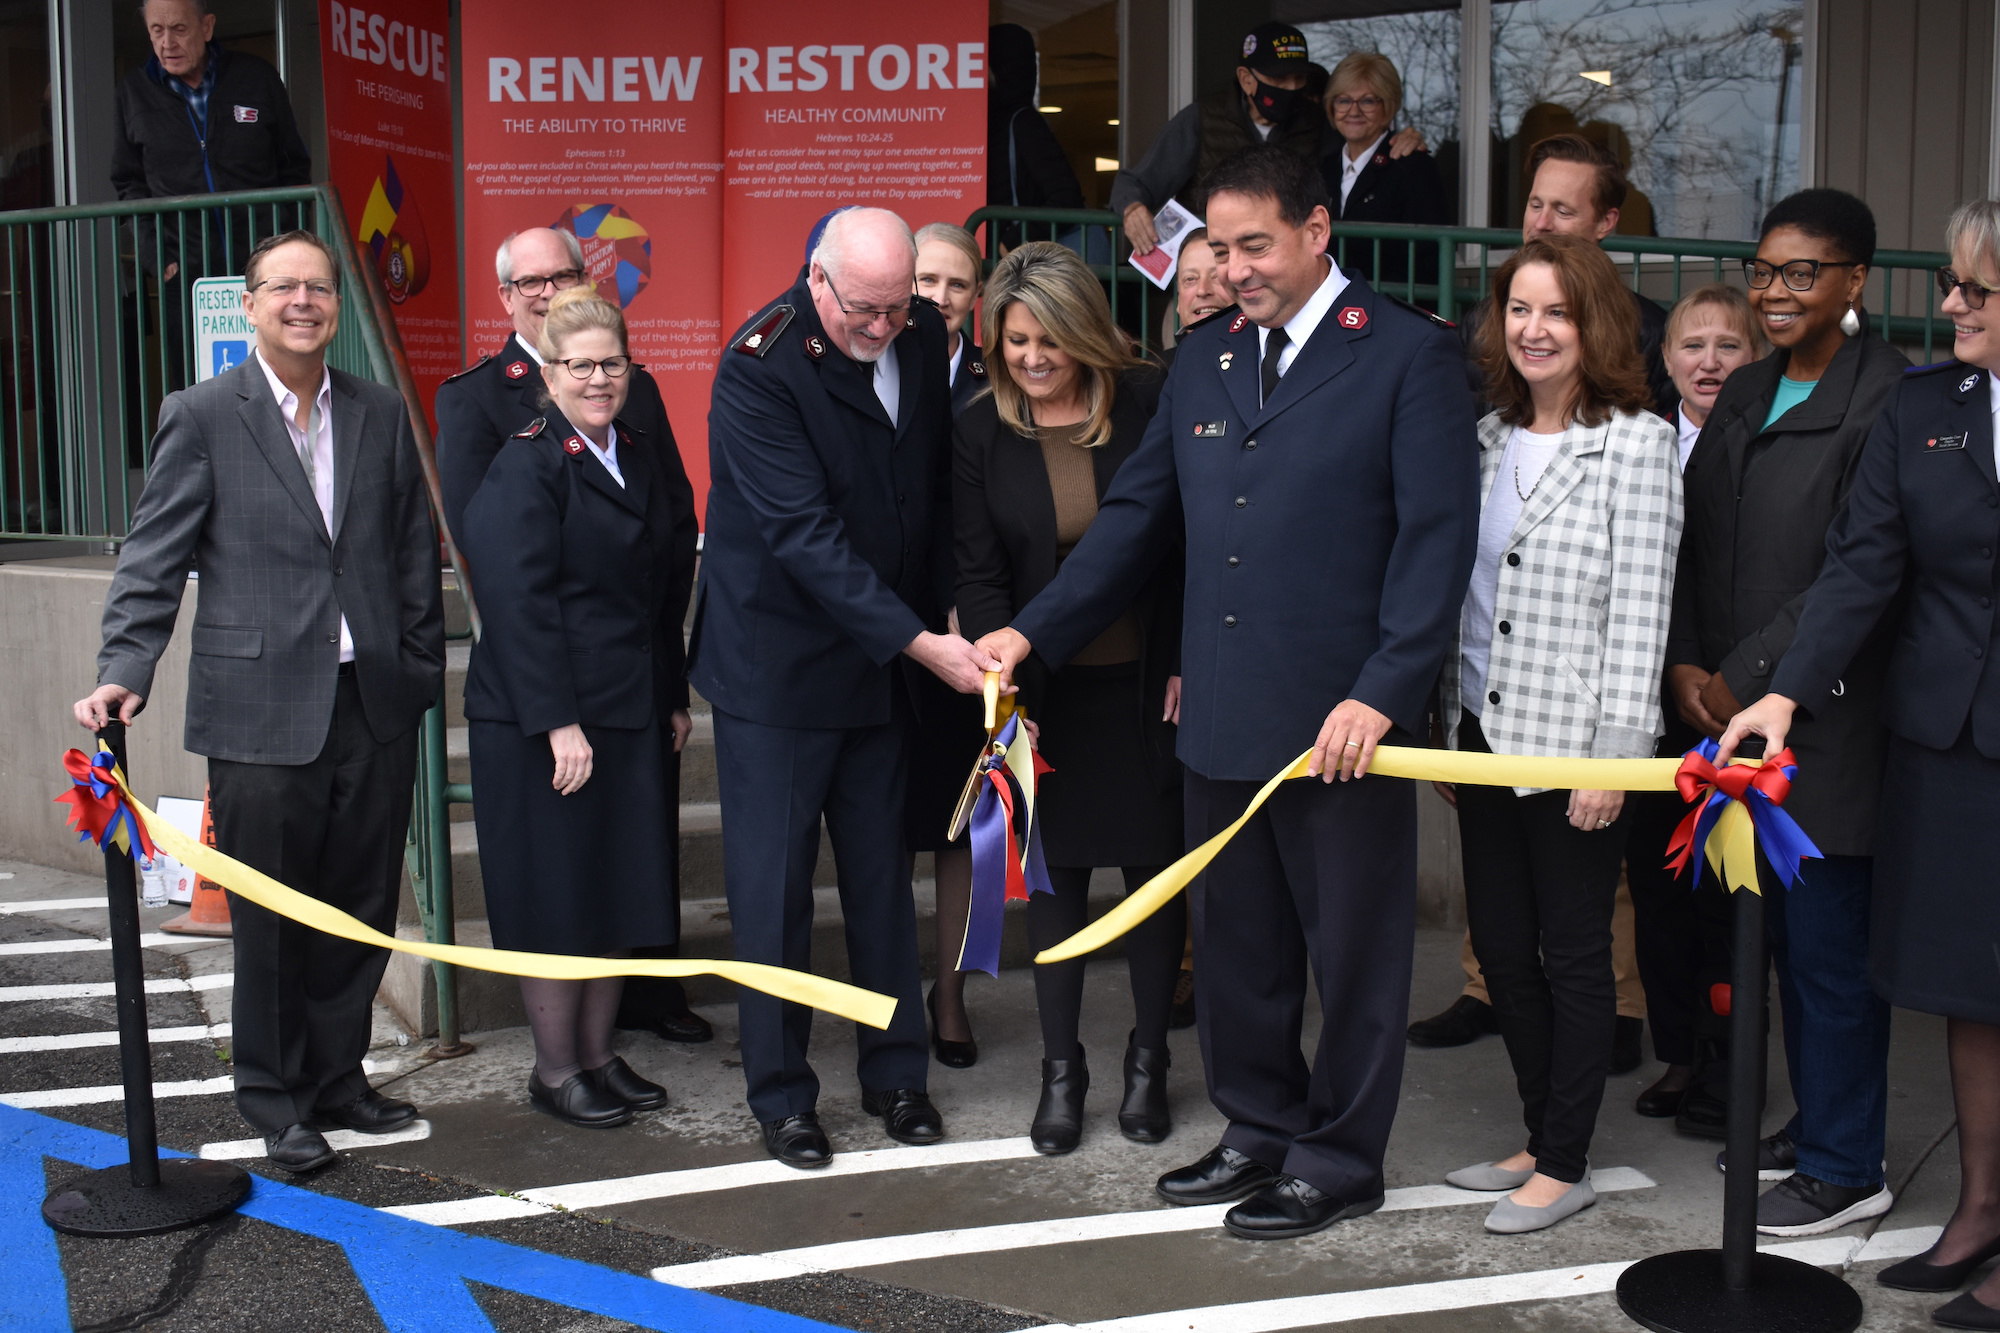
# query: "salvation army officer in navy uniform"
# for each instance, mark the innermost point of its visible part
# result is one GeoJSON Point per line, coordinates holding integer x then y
{"type": "Point", "coordinates": [478, 410]}
{"type": "Point", "coordinates": [829, 451]}
{"type": "Point", "coordinates": [1317, 449]}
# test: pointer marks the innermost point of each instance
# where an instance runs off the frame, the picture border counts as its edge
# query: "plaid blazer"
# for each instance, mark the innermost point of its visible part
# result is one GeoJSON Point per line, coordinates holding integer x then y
{"type": "Point", "coordinates": [1588, 601]}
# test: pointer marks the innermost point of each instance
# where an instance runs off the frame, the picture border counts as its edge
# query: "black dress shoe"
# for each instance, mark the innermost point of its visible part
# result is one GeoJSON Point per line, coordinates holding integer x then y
{"type": "Point", "coordinates": [1922, 1273]}
{"type": "Point", "coordinates": [1704, 1113]}
{"type": "Point", "coordinates": [1182, 1014]}
{"type": "Point", "coordinates": [798, 1141]}
{"type": "Point", "coordinates": [1223, 1174]}
{"type": "Point", "coordinates": [298, 1148]}
{"type": "Point", "coordinates": [1289, 1207]}
{"type": "Point", "coordinates": [370, 1113]}
{"type": "Point", "coordinates": [907, 1115]}
{"type": "Point", "coordinates": [1627, 1051]}
{"type": "Point", "coordinates": [1467, 1020]}
{"type": "Point", "coordinates": [952, 1054]}
{"type": "Point", "coordinates": [1661, 1102]}
{"type": "Point", "coordinates": [616, 1079]}
{"type": "Point", "coordinates": [578, 1102]}
{"type": "Point", "coordinates": [1143, 1116]}
{"type": "Point", "coordinates": [685, 1027]}
{"type": "Point", "coordinates": [1967, 1311]}
{"type": "Point", "coordinates": [1058, 1123]}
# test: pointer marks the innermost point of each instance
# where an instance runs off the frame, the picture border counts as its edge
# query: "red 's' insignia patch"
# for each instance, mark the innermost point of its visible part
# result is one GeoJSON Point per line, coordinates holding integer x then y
{"type": "Point", "coordinates": [1352, 317]}
{"type": "Point", "coordinates": [517, 370]}
{"type": "Point", "coordinates": [1236, 325]}
{"type": "Point", "coordinates": [573, 445]}
{"type": "Point", "coordinates": [815, 346]}
{"type": "Point", "coordinates": [977, 369]}
{"type": "Point", "coordinates": [1381, 160]}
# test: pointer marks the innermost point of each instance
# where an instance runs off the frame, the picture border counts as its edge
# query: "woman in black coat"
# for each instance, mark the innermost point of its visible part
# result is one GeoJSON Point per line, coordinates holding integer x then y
{"type": "Point", "coordinates": [576, 702]}
{"type": "Point", "coordinates": [1366, 182]}
{"type": "Point", "coordinates": [1770, 473]}
{"type": "Point", "coordinates": [1912, 560]}
{"type": "Point", "coordinates": [1032, 461]}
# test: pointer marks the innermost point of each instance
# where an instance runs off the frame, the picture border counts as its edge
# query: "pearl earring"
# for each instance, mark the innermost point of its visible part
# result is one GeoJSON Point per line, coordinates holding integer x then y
{"type": "Point", "coordinates": [1850, 323]}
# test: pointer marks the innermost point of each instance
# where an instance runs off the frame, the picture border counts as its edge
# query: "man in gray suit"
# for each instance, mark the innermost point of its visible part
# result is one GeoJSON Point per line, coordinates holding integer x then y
{"type": "Point", "coordinates": [295, 491]}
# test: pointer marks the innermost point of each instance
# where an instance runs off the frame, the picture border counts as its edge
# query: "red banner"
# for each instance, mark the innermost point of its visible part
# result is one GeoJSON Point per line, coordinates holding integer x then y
{"type": "Point", "coordinates": [861, 104]}
{"type": "Point", "coordinates": [388, 117]}
{"type": "Point", "coordinates": [615, 134]}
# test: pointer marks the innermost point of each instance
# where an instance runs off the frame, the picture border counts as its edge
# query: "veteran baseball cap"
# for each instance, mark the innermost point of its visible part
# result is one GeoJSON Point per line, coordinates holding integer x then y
{"type": "Point", "coordinates": [1275, 48]}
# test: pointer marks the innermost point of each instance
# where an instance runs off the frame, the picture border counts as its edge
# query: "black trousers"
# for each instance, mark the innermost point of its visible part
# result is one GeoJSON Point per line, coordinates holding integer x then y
{"type": "Point", "coordinates": [1324, 876]}
{"type": "Point", "coordinates": [777, 783]}
{"type": "Point", "coordinates": [1666, 931]}
{"type": "Point", "coordinates": [1538, 896]}
{"type": "Point", "coordinates": [1153, 951]}
{"type": "Point", "coordinates": [332, 829]}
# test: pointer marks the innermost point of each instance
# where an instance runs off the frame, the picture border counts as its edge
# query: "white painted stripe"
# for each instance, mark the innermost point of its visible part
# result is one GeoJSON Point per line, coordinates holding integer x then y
{"type": "Point", "coordinates": [847, 1255]}
{"type": "Point", "coordinates": [1462, 1293]}
{"type": "Point", "coordinates": [81, 946]}
{"type": "Point", "coordinates": [72, 1041]}
{"type": "Point", "coordinates": [346, 1140]}
{"type": "Point", "coordinates": [115, 1092]}
{"type": "Point", "coordinates": [705, 1180]}
{"type": "Point", "coordinates": [54, 905]}
{"type": "Point", "coordinates": [93, 989]}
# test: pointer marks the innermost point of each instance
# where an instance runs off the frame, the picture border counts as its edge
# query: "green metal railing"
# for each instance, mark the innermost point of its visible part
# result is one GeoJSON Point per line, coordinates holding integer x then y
{"type": "Point", "coordinates": [95, 332]}
{"type": "Point", "coordinates": [1901, 300]}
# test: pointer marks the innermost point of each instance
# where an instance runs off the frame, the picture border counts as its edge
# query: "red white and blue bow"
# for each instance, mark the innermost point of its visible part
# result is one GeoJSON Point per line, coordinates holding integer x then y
{"type": "Point", "coordinates": [97, 809]}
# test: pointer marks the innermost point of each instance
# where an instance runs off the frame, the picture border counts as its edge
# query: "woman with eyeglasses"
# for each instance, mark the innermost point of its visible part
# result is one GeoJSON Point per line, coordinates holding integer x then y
{"type": "Point", "coordinates": [1771, 471]}
{"type": "Point", "coordinates": [1371, 184]}
{"type": "Point", "coordinates": [576, 698]}
{"type": "Point", "coordinates": [1911, 566]}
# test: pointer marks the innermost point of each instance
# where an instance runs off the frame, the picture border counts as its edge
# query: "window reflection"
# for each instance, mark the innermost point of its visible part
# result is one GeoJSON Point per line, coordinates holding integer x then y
{"type": "Point", "coordinates": [1424, 47]}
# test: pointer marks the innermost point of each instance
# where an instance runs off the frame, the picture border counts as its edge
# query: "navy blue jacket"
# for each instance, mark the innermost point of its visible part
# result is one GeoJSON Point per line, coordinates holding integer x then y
{"type": "Point", "coordinates": [971, 377]}
{"type": "Point", "coordinates": [823, 521]}
{"type": "Point", "coordinates": [1922, 524]}
{"type": "Point", "coordinates": [1330, 533]}
{"type": "Point", "coordinates": [579, 583]}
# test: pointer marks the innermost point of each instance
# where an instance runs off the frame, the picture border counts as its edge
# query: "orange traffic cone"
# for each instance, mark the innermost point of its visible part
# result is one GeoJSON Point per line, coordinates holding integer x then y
{"type": "Point", "coordinates": [208, 914]}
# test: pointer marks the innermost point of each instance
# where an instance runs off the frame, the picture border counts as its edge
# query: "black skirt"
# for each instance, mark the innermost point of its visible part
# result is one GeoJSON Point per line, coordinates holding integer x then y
{"type": "Point", "coordinates": [944, 742]}
{"type": "Point", "coordinates": [1935, 934]}
{"type": "Point", "coordinates": [1105, 803]}
{"type": "Point", "coordinates": [591, 873]}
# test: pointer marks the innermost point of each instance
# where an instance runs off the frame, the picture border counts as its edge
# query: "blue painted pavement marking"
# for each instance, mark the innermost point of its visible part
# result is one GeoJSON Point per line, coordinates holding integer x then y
{"type": "Point", "coordinates": [404, 1266]}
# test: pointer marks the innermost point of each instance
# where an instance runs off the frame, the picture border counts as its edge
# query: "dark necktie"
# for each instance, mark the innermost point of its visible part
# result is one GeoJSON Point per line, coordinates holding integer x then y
{"type": "Point", "coordinates": [1275, 343]}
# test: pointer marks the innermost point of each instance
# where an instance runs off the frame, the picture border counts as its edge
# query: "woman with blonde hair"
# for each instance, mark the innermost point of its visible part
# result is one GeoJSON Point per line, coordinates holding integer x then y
{"type": "Point", "coordinates": [1367, 181]}
{"type": "Point", "coordinates": [1033, 459]}
{"type": "Point", "coordinates": [575, 702]}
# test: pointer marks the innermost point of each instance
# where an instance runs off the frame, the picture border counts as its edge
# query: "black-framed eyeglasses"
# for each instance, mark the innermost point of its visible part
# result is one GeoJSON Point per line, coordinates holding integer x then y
{"type": "Point", "coordinates": [1974, 291]}
{"type": "Point", "coordinates": [1800, 274]}
{"type": "Point", "coordinates": [535, 284]}
{"type": "Point", "coordinates": [582, 367]}
{"type": "Point", "coordinates": [905, 312]}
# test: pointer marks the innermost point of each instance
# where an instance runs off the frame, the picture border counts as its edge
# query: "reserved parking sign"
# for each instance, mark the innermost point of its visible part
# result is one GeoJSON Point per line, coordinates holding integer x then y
{"type": "Point", "coordinates": [222, 333]}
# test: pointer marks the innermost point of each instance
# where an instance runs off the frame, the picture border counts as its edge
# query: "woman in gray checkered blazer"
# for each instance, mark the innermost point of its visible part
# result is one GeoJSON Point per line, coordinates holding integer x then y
{"type": "Point", "coordinates": [1559, 653]}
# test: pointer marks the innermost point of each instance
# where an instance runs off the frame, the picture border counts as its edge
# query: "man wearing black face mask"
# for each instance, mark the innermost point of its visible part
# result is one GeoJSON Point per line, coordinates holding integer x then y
{"type": "Point", "coordinates": [1268, 103]}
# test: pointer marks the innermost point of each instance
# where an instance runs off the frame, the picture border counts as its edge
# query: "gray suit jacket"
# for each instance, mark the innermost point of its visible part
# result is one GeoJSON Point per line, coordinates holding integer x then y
{"type": "Point", "coordinates": [227, 496]}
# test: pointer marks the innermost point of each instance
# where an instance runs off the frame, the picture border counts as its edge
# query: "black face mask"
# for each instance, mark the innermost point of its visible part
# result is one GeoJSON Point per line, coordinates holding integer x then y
{"type": "Point", "coordinates": [1276, 104]}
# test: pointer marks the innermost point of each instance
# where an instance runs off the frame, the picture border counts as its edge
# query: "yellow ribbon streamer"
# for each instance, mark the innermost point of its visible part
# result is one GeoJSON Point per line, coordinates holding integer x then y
{"type": "Point", "coordinates": [834, 997]}
{"type": "Point", "coordinates": [1398, 761]}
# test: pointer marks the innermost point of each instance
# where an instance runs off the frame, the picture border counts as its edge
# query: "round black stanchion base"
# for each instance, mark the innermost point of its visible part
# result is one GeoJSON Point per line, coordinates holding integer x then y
{"type": "Point", "coordinates": [1684, 1292]}
{"type": "Point", "coordinates": [107, 1204]}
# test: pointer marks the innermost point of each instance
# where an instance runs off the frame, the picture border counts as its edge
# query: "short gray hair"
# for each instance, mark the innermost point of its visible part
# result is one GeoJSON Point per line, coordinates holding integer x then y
{"type": "Point", "coordinates": [831, 251]}
{"type": "Point", "coordinates": [1976, 226]}
{"type": "Point", "coordinates": [503, 258]}
{"type": "Point", "coordinates": [200, 8]}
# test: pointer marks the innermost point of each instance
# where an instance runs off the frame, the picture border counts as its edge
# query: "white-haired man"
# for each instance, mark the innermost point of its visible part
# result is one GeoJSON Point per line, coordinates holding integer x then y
{"type": "Point", "coordinates": [829, 474]}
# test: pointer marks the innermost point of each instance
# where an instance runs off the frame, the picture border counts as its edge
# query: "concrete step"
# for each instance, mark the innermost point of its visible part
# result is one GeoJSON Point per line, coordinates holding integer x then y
{"type": "Point", "coordinates": [493, 1000]}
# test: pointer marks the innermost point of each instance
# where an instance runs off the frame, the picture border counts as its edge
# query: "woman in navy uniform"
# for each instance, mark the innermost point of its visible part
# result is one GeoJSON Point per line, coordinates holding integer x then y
{"type": "Point", "coordinates": [1915, 551]}
{"type": "Point", "coordinates": [1033, 459]}
{"type": "Point", "coordinates": [1365, 182]}
{"type": "Point", "coordinates": [576, 700]}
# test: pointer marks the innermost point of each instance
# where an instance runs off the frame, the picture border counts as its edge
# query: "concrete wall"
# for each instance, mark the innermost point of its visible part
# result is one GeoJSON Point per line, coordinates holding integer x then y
{"type": "Point", "coordinates": [50, 612]}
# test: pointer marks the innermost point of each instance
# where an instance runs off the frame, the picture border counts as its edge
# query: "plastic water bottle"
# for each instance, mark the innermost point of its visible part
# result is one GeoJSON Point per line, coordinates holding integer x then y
{"type": "Point", "coordinates": [152, 881]}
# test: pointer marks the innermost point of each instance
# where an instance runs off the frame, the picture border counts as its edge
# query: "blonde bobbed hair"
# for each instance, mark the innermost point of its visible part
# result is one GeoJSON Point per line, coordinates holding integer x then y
{"type": "Point", "coordinates": [1058, 289]}
{"type": "Point", "coordinates": [1733, 304]}
{"type": "Point", "coordinates": [1369, 69]}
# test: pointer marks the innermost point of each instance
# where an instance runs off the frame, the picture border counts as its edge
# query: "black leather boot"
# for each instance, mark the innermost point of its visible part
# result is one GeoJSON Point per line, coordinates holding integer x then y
{"type": "Point", "coordinates": [1143, 1116]}
{"type": "Point", "coordinates": [1058, 1123]}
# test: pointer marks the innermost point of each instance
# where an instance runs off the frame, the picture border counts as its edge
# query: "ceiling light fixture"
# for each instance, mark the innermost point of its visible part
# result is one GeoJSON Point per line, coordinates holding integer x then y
{"type": "Point", "coordinates": [1107, 164]}
{"type": "Point", "coordinates": [1049, 110]}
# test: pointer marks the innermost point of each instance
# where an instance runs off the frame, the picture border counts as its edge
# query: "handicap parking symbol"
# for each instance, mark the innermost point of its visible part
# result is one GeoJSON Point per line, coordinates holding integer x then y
{"type": "Point", "coordinates": [227, 355]}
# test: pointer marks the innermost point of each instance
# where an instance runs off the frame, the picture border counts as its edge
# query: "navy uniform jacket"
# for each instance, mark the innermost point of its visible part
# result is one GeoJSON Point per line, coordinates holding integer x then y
{"type": "Point", "coordinates": [971, 376]}
{"type": "Point", "coordinates": [578, 583]}
{"type": "Point", "coordinates": [1330, 533]}
{"type": "Point", "coordinates": [823, 520]}
{"type": "Point", "coordinates": [479, 408]}
{"type": "Point", "coordinates": [1922, 521]}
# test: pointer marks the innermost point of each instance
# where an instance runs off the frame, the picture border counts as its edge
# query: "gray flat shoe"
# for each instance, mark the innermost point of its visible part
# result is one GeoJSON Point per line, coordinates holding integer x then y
{"type": "Point", "coordinates": [1511, 1219]}
{"type": "Point", "coordinates": [1487, 1177]}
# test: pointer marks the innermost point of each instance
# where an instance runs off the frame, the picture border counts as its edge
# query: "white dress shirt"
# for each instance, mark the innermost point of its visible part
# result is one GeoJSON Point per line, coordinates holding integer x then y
{"type": "Point", "coordinates": [889, 382]}
{"type": "Point", "coordinates": [1689, 434]}
{"type": "Point", "coordinates": [1352, 167]}
{"type": "Point", "coordinates": [608, 455]}
{"type": "Point", "coordinates": [1993, 396]}
{"type": "Point", "coordinates": [319, 448]}
{"type": "Point", "coordinates": [951, 371]}
{"type": "Point", "coordinates": [1300, 326]}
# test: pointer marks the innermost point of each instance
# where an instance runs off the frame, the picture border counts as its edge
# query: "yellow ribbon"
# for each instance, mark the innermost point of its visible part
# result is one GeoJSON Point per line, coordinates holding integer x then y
{"type": "Point", "coordinates": [835, 997]}
{"type": "Point", "coordinates": [1398, 761]}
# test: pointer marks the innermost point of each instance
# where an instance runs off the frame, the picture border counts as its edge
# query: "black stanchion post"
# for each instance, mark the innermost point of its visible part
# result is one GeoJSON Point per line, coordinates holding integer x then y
{"type": "Point", "coordinates": [145, 1196]}
{"type": "Point", "coordinates": [1736, 1289]}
